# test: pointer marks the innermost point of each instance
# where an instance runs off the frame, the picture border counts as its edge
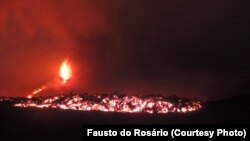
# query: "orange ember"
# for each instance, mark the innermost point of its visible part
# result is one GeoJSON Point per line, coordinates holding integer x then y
{"type": "Point", "coordinates": [65, 71]}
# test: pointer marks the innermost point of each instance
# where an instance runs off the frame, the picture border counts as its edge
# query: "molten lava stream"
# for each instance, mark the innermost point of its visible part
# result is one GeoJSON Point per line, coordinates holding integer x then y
{"type": "Point", "coordinates": [114, 103]}
{"type": "Point", "coordinates": [65, 74]}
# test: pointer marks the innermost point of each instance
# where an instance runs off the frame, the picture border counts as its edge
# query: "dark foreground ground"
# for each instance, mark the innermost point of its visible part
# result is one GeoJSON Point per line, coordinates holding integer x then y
{"type": "Point", "coordinates": [54, 124]}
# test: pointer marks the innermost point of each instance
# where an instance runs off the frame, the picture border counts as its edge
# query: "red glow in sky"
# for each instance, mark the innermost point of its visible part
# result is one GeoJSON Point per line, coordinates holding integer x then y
{"type": "Point", "coordinates": [192, 49]}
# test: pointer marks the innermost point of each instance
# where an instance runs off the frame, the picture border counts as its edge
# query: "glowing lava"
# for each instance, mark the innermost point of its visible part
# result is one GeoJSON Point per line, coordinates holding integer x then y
{"type": "Point", "coordinates": [65, 72]}
{"type": "Point", "coordinates": [114, 103]}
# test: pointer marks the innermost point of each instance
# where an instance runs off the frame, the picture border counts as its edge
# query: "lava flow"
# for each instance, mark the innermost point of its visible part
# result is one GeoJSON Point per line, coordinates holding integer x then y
{"type": "Point", "coordinates": [65, 74]}
{"type": "Point", "coordinates": [114, 103]}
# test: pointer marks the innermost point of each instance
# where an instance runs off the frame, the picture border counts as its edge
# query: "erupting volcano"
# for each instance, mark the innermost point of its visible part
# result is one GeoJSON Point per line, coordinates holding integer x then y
{"type": "Point", "coordinates": [68, 64]}
{"type": "Point", "coordinates": [65, 74]}
{"type": "Point", "coordinates": [104, 102]}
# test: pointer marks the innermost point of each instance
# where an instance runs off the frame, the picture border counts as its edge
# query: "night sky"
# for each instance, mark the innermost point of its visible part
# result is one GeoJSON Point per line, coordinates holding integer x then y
{"type": "Point", "coordinates": [195, 48]}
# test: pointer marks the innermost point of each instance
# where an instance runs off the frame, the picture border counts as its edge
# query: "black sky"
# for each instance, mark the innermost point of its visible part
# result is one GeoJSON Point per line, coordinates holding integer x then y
{"type": "Point", "coordinates": [189, 48]}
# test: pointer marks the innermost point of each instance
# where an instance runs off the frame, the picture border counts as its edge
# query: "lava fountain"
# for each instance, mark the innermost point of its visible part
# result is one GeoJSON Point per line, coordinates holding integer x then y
{"type": "Point", "coordinates": [65, 74]}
